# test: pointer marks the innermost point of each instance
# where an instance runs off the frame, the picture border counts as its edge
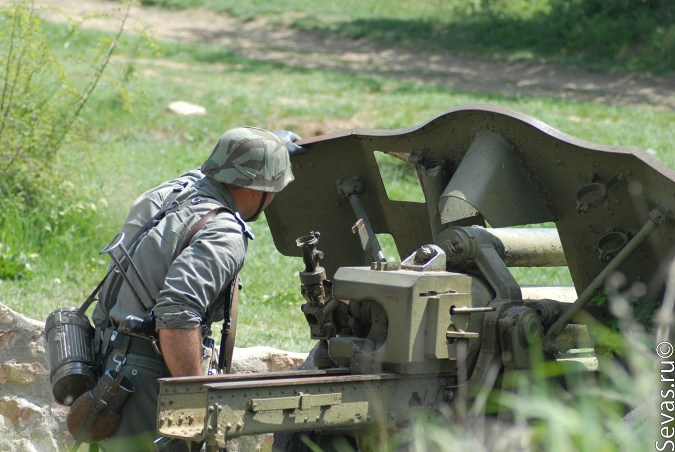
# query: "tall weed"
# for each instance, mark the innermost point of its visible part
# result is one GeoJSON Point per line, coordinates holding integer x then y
{"type": "Point", "coordinates": [42, 97]}
{"type": "Point", "coordinates": [560, 408]}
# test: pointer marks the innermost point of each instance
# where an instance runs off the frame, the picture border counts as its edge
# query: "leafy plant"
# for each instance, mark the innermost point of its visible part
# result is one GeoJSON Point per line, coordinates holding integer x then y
{"type": "Point", "coordinates": [555, 407]}
{"type": "Point", "coordinates": [46, 82]}
{"type": "Point", "coordinates": [14, 265]}
{"type": "Point", "coordinates": [40, 104]}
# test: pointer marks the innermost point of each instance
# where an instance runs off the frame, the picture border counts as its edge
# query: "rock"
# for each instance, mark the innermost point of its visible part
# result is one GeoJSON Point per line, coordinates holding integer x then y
{"type": "Point", "coordinates": [265, 359]}
{"type": "Point", "coordinates": [183, 108]}
{"type": "Point", "coordinates": [22, 373]}
{"type": "Point", "coordinates": [19, 411]}
{"type": "Point", "coordinates": [23, 360]}
{"type": "Point", "coordinates": [30, 420]}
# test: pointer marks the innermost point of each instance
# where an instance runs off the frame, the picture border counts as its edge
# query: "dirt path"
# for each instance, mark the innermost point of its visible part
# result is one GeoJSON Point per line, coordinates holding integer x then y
{"type": "Point", "coordinates": [256, 40]}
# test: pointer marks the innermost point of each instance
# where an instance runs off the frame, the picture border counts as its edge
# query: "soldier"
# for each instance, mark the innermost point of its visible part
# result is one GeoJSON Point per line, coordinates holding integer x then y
{"type": "Point", "coordinates": [188, 267]}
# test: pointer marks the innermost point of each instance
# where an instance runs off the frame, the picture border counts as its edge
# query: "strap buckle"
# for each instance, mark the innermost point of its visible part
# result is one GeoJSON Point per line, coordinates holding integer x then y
{"type": "Point", "coordinates": [180, 186]}
{"type": "Point", "coordinates": [119, 359]}
{"type": "Point", "coordinates": [155, 346]}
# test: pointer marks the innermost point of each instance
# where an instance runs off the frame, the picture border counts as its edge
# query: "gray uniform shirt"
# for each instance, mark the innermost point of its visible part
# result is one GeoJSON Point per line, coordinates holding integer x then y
{"type": "Point", "coordinates": [186, 288]}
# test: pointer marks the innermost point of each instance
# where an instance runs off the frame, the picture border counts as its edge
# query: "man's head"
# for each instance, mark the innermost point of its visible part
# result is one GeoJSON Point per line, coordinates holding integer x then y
{"type": "Point", "coordinates": [254, 163]}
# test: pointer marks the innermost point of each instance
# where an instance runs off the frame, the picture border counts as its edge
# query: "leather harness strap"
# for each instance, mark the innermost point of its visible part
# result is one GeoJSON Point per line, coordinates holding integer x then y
{"type": "Point", "coordinates": [208, 216]}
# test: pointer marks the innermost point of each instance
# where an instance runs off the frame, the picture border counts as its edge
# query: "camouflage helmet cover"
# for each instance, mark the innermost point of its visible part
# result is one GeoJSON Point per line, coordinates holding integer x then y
{"type": "Point", "coordinates": [252, 158]}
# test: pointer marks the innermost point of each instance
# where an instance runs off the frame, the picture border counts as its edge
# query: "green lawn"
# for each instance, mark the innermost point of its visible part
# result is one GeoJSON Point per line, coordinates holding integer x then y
{"type": "Point", "coordinates": [635, 35]}
{"type": "Point", "coordinates": [126, 141]}
{"type": "Point", "coordinates": [127, 132]}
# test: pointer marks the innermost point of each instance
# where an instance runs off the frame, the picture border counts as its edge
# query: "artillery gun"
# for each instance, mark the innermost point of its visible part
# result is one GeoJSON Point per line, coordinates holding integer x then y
{"type": "Point", "coordinates": [439, 329]}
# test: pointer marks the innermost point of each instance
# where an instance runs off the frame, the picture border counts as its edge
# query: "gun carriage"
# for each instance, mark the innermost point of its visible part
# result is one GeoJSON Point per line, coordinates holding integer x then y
{"type": "Point", "coordinates": [439, 329]}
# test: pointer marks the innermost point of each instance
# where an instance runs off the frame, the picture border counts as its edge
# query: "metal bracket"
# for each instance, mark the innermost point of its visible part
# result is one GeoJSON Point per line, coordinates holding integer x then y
{"type": "Point", "coordinates": [300, 402]}
{"type": "Point", "coordinates": [350, 189]}
{"type": "Point", "coordinates": [426, 258]}
{"type": "Point", "coordinates": [656, 217]}
{"type": "Point", "coordinates": [118, 242]}
{"type": "Point", "coordinates": [594, 194]}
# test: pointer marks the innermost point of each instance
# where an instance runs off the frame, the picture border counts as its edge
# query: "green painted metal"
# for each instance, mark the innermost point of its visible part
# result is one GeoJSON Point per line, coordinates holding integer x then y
{"type": "Point", "coordinates": [434, 331]}
{"type": "Point", "coordinates": [589, 190]}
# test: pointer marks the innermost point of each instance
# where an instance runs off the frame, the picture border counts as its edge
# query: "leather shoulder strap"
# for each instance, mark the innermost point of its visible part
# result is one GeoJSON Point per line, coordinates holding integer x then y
{"type": "Point", "coordinates": [208, 216]}
{"type": "Point", "coordinates": [168, 205]}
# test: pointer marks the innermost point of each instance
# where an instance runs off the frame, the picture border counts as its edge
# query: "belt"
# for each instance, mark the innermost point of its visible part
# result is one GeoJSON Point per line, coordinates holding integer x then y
{"type": "Point", "coordinates": [126, 343]}
{"type": "Point", "coordinates": [142, 346]}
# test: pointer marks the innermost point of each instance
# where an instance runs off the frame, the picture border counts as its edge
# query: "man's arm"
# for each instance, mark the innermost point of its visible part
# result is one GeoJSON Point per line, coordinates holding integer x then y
{"type": "Point", "coordinates": [190, 291]}
{"type": "Point", "coordinates": [182, 351]}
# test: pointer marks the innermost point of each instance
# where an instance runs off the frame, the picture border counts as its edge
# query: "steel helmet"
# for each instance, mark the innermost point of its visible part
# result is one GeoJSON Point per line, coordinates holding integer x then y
{"type": "Point", "coordinates": [252, 158]}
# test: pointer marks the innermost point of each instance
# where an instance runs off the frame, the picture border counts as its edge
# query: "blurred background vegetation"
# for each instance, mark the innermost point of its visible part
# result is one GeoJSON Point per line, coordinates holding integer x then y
{"type": "Point", "coordinates": [82, 134]}
{"type": "Point", "coordinates": [601, 34]}
{"type": "Point", "coordinates": [79, 132]}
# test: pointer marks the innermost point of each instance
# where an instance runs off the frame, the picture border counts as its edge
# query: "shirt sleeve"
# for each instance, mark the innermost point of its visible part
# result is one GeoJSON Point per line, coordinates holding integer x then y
{"type": "Point", "coordinates": [196, 277]}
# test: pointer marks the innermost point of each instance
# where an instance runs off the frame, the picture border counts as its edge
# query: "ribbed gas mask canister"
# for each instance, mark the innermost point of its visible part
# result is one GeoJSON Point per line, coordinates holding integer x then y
{"type": "Point", "coordinates": [71, 355]}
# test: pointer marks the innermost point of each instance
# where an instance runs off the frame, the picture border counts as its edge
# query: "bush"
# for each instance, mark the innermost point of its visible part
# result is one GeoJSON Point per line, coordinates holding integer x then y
{"type": "Point", "coordinates": [42, 94]}
{"type": "Point", "coordinates": [39, 105]}
{"type": "Point", "coordinates": [632, 32]}
{"type": "Point", "coordinates": [14, 265]}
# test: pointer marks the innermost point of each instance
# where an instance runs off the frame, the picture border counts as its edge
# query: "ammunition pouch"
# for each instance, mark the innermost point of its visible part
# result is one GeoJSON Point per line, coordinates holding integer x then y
{"type": "Point", "coordinates": [95, 415]}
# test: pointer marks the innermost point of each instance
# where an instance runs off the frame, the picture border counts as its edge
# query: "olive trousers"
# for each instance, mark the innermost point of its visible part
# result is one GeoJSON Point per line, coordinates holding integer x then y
{"type": "Point", "coordinates": [138, 426]}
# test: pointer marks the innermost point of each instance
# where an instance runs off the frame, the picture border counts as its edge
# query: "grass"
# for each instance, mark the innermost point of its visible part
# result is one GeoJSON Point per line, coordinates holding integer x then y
{"type": "Point", "coordinates": [636, 35]}
{"type": "Point", "coordinates": [131, 143]}
{"type": "Point", "coordinates": [123, 143]}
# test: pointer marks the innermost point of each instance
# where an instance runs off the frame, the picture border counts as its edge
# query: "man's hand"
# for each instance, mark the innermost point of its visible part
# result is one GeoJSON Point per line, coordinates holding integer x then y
{"type": "Point", "coordinates": [182, 351]}
{"type": "Point", "coordinates": [289, 138]}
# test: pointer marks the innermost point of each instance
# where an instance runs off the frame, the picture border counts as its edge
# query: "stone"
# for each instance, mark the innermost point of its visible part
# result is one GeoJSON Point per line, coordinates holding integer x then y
{"type": "Point", "coordinates": [183, 108]}
{"type": "Point", "coordinates": [30, 420]}
{"type": "Point", "coordinates": [22, 373]}
{"type": "Point", "coordinates": [265, 359]}
{"type": "Point", "coordinates": [19, 411]}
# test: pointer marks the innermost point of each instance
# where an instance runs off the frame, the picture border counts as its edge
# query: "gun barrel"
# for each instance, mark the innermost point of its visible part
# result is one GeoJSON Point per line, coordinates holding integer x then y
{"type": "Point", "coordinates": [530, 247]}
